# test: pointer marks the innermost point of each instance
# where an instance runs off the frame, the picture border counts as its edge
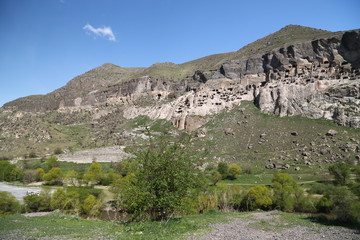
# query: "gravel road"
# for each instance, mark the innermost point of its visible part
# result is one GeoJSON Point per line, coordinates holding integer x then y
{"type": "Point", "coordinates": [241, 229]}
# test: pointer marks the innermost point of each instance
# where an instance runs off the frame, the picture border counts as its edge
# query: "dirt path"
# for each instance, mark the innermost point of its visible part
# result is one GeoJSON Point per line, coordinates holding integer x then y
{"type": "Point", "coordinates": [268, 225]}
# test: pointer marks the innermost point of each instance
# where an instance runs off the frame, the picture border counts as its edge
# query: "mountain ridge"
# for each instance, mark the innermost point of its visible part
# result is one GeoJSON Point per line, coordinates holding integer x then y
{"type": "Point", "coordinates": [183, 70]}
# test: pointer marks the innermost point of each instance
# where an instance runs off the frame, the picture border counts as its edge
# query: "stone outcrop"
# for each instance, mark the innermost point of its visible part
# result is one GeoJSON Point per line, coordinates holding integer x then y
{"type": "Point", "coordinates": [317, 79]}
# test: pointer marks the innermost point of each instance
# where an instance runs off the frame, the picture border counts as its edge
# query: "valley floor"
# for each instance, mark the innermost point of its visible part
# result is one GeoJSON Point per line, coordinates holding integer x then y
{"type": "Point", "coordinates": [209, 226]}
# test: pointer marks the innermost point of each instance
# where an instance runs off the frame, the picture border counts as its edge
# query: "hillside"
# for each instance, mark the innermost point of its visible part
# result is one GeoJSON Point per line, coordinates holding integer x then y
{"type": "Point", "coordinates": [109, 74]}
{"type": "Point", "coordinates": [229, 99]}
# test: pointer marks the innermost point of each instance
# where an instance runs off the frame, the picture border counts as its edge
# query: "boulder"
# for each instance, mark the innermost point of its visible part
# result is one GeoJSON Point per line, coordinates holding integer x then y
{"type": "Point", "coordinates": [331, 133]}
{"type": "Point", "coordinates": [229, 131]}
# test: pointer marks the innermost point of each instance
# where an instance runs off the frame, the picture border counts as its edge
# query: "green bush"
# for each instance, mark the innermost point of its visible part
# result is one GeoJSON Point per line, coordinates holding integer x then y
{"type": "Point", "coordinates": [341, 202]}
{"type": "Point", "coordinates": [58, 199]}
{"type": "Point", "coordinates": [215, 178]}
{"type": "Point", "coordinates": [94, 174]}
{"type": "Point", "coordinates": [39, 174]}
{"type": "Point", "coordinates": [223, 169]}
{"type": "Point", "coordinates": [38, 202]}
{"type": "Point", "coordinates": [91, 206]}
{"type": "Point", "coordinates": [167, 175]}
{"type": "Point", "coordinates": [51, 162]}
{"type": "Point", "coordinates": [8, 204]}
{"type": "Point", "coordinates": [54, 177]}
{"type": "Point", "coordinates": [234, 171]}
{"type": "Point", "coordinates": [286, 191]}
{"type": "Point", "coordinates": [258, 197]}
{"type": "Point", "coordinates": [72, 178]}
{"type": "Point", "coordinates": [355, 188]}
{"type": "Point", "coordinates": [16, 174]}
{"type": "Point", "coordinates": [76, 200]}
{"type": "Point", "coordinates": [341, 173]}
{"type": "Point", "coordinates": [32, 202]}
{"type": "Point", "coordinates": [5, 170]}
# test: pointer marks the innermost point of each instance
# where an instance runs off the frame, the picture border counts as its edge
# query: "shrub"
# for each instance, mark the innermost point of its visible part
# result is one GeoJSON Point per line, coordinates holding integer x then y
{"type": "Point", "coordinates": [94, 174]}
{"type": "Point", "coordinates": [206, 201]}
{"type": "Point", "coordinates": [32, 202]}
{"type": "Point", "coordinates": [91, 206]}
{"type": "Point", "coordinates": [109, 178]}
{"type": "Point", "coordinates": [66, 200]}
{"type": "Point", "coordinates": [71, 178]}
{"type": "Point", "coordinates": [167, 176]}
{"type": "Point", "coordinates": [248, 169]}
{"type": "Point", "coordinates": [39, 174]}
{"type": "Point", "coordinates": [8, 204]}
{"type": "Point", "coordinates": [215, 178]}
{"type": "Point", "coordinates": [341, 173]}
{"type": "Point", "coordinates": [32, 155]}
{"type": "Point", "coordinates": [54, 177]}
{"type": "Point", "coordinates": [234, 171]}
{"type": "Point", "coordinates": [58, 151]}
{"type": "Point", "coordinates": [355, 188]}
{"type": "Point", "coordinates": [223, 169]}
{"type": "Point", "coordinates": [5, 170]}
{"type": "Point", "coordinates": [341, 202]}
{"type": "Point", "coordinates": [286, 191]}
{"type": "Point", "coordinates": [58, 199]}
{"type": "Point", "coordinates": [30, 176]}
{"type": "Point", "coordinates": [16, 174]}
{"type": "Point", "coordinates": [258, 197]}
{"type": "Point", "coordinates": [229, 196]}
{"type": "Point", "coordinates": [52, 162]}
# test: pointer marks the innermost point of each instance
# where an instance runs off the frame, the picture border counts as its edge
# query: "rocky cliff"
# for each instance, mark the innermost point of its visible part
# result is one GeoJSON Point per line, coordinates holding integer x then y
{"type": "Point", "coordinates": [308, 76]}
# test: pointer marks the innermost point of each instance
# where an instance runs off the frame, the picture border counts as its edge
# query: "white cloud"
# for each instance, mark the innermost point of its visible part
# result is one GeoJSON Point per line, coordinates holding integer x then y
{"type": "Point", "coordinates": [104, 32]}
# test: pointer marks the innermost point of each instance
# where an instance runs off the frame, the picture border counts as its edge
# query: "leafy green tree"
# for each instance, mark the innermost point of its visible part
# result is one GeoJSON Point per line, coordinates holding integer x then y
{"type": "Point", "coordinates": [216, 177]}
{"type": "Point", "coordinates": [16, 174]}
{"type": "Point", "coordinates": [109, 178]}
{"type": "Point", "coordinates": [91, 206]}
{"type": "Point", "coordinates": [71, 178]}
{"type": "Point", "coordinates": [5, 170]}
{"type": "Point", "coordinates": [341, 173]}
{"type": "Point", "coordinates": [286, 191]}
{"type": "Point", "coordinates": [94, 174]}
{"type": "Point", "coordinates": [223, 169]}
{"type": "Point", "coordinates": [52, 162]}
{"type": "Point", "coordinates": [54, 177]}
{"type": "Point", "coordinates": [39, 174]}
{"type": "Point", "coordinates": [8, 204]}
{"type": "Point", "coordinates": [341, 202]}
{"type": "Point", "coordinates": [72, 201]}
{"type": "Point", "coordinates": [32, 202]}
{"type": "Point", "coordinates": [258, 197]}
{"type": "Point", "coordinates": [166, 175]}
{"type": "Point", "coordinates": [234, 171]}
{"type": "Point", "coordinates": [45, 199]}
{"type": "Point", "coordinates": [58, 199]}
{"type": "Point", "coordinates": [67, 200]}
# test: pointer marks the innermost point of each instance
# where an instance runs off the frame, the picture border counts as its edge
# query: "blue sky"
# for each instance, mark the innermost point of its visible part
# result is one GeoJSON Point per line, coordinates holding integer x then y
{"type": "Point", "coordinates": [45, 43]}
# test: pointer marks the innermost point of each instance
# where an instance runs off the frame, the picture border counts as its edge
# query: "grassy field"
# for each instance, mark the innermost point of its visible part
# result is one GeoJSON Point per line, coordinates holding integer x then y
{"type": "Point", "coordinates": [59, 226]}
{"type": "Point", "coordinates": [73, 227]}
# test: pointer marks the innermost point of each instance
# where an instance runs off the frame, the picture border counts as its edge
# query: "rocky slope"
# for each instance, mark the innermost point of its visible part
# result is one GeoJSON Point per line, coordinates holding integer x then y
{"type": "Point", "coordinates": [295, 71]}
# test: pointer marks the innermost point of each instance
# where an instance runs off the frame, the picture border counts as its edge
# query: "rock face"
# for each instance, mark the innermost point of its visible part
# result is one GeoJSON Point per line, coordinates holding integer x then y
{"type": "Point", "coordinates": [317, 79]}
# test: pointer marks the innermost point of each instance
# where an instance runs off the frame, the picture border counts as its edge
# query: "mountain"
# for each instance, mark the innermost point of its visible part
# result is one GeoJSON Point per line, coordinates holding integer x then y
{"type": "Point", "coordinates": [297, 71]}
